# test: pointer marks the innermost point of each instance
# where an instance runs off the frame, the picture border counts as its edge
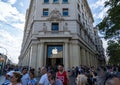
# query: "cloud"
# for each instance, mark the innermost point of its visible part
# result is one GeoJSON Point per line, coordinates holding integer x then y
{"type": "Point", "coordinates": [99, 3]}
{"type": "Point", "coordinates": [11, 28]}
{"type": "Point", "coordinates": [11, 1]}
{"type": "Point", "coordinates": [100, 15]}
{"type": "Point", "coordinates": [11, 15]}
{"type": "Point", "coordinates": [98, 10]}
{"type": "Point", "coordinates": [21, 4]}
{"type": "Point", "coordinates": [11, 43]}
{"type": "Point", "coordinates": [18, 25]}
{"type": "Point", "coordinates": [103, 13]}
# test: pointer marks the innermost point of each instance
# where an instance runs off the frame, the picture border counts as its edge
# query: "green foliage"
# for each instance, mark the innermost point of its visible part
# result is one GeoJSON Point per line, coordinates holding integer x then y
{"type": "Point", "coordinates": [110, 25]}
{"type": "Point", "coordinates": [113, 52]}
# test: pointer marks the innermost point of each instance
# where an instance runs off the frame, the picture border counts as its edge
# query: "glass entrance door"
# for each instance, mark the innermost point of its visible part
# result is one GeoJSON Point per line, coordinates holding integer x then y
{"type": "Point", "coordinates": [54, 55]}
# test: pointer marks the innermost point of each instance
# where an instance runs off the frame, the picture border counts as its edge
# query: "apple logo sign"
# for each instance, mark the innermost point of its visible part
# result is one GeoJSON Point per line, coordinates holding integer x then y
{"type": "Point", "coordinates": [54, 51]}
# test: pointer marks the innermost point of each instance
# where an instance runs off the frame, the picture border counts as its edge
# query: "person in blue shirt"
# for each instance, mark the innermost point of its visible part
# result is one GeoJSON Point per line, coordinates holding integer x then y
{"type": "Point", "coordinates": [33, 80]}
{"type": "Point", "coordinates": [8, 77]}
{"type": "Point", "coordinates": [25, 78]}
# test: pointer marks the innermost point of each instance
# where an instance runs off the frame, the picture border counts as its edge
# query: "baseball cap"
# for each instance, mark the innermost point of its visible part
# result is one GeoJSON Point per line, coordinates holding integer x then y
{"type": "Point", "coordinates": [10, 73]}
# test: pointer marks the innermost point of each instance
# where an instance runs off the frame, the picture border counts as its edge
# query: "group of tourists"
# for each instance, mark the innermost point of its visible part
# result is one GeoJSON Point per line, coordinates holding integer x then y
{"type": "Point", "coordinates": [25, 77]}
{"type": "Point", "coordinates": [82, 75]}
{"type": "Point", "coordinates": [103, 75]}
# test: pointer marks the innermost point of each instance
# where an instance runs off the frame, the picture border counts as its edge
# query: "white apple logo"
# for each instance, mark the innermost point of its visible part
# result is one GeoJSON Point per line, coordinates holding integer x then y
{"type": "Point", "coordinates": [54, 51]}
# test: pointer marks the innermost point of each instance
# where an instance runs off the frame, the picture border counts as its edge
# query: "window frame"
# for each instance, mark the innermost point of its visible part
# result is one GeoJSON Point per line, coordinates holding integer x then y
{"type": "Point", "coordinates": [52, 28]}
{"type": "Point", "coordinates": [55, 1]}
{"type": "Point", "coordinates": [45, 10]}
{"type": "Point", "coordinates": [63, 1]}
{"type": "Point", "coordinates": [46, 2]}
{"type": "Point", "coordinates": [64, 11]}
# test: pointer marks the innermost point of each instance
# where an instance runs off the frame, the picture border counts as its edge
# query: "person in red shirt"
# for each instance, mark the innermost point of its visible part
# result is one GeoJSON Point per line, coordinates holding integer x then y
{"type": "Point", "coordinates": [62, 75]}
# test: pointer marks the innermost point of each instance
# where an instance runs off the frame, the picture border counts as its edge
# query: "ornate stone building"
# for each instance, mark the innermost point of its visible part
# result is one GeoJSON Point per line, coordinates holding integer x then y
{"type": "Point", "coordinates": [59, 31]}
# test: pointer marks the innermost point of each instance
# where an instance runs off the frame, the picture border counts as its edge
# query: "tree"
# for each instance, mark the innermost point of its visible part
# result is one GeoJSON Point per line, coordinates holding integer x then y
{"type": "Point", "coordinates": [113, 51]}
{"type": "Point", "coordinates": [110, 25]}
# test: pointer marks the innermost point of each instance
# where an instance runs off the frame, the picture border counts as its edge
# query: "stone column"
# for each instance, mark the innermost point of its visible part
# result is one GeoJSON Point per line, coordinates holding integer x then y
{"type": "Point", "coordinates": [83, 57]}
{"type": "Point", "coordinates": [40, 57]}
{"type": "Point", "coordinates": [92, 60]}
{"type": "Point", "coordinates": [88, 59]}
{"type": "Point", "coordinates": [76, 54]}
{"type": "Point", "coordinates": [66, 57]}
{"type": "Point", "coordinates": [71, 55]}
{"type": "Point", "coordinates": [33, 55]}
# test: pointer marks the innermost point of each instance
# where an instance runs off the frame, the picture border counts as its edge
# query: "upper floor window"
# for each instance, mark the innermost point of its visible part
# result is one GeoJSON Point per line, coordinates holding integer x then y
{"type": "Point", "coordinates": [65, 1]}
{"type": "Point", "coordinates": [55, 27]}
{"type": "Point", "coordinates": [45, 12]}
{"type": "Point", "coordinates": [46, 1]}
{"type": "Point", "coordinates": [55, 1]}
{"type": "Point", "coordinates": [65, 11]}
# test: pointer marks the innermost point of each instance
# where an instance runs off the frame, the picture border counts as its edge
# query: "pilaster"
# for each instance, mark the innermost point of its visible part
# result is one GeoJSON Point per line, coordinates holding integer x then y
{"type": "Point", "coordinates": [66, 57]}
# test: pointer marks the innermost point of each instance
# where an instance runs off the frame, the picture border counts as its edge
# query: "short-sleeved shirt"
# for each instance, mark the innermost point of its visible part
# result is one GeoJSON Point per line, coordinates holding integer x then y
{"type": "Point", "coordinates": [44, 80]}
{"type": "Point", "coordinates": [62, 77]}
{"type": "Point", "coordinates": [7, 82]}
{"type": "Point", "coordinates": [25, 78]}
{"type": "Point", "coordinates": [32, 81]}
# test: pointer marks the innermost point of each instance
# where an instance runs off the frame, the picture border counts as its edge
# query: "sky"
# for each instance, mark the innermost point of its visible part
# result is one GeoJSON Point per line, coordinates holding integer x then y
{"type": "Point", "coordinates": [12, 19]}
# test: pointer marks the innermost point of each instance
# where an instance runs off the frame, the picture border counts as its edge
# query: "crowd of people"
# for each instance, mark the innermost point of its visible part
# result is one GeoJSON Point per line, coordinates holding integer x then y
{"type": "Point", "coordinates": [82, 75]}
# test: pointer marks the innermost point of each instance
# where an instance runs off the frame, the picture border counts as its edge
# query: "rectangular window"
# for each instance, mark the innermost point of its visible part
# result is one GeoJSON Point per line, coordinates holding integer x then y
{"type": "Point", "coordinates": [65, 12]}
{"type": "Point", "coordinates": [65, 1]}
{"type": "Point", "coordinates": [55, 27]}
{"type": "Point", "coordinates": [46, 1]}
{"type": "Point", "coordinates": [55, 1]}
{"type": "Point", "coordinates": [45, 12]}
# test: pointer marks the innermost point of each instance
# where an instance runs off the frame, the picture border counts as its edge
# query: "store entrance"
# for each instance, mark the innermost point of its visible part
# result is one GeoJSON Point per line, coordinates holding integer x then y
{"type": "Point", "coordinates": [54, 55]}
{"type": "Point", "coordinates": [54, 61]}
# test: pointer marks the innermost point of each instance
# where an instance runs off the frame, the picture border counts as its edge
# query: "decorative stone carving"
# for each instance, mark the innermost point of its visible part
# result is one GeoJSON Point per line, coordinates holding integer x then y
{"type": "Point", "coordinates": [55, 15]}
{"type": "Point", "coordinates": [44, 27]}
{"type": "Point", "coordinates": [65, 27]}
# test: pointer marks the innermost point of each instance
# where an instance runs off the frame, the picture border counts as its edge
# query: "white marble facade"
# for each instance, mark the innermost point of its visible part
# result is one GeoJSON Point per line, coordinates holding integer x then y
{"type": "Point", "coordinates": [75, 34]}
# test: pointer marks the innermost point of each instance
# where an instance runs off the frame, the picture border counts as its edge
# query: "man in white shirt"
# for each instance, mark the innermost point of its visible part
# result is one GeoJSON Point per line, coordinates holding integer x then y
{"type": "Point", "coordinates": [44, 78]}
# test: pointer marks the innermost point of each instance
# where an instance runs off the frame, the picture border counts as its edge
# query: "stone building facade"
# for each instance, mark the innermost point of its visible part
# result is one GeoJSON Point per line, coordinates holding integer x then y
{"type": "Point", "coordinates": [60, 31]}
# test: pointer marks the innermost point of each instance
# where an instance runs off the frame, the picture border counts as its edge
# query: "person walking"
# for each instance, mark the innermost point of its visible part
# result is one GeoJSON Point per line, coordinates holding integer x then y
{"type": "Point", "coordinates": [81, 79]}
{"type": "Point", "coordinates": [62, 75]}
{"type": "Point", "coordinates": [16, 79]}
{"type": "Point", "coordinates": [8, 77]}
{"type": "Point", "coordinates": [33, 80]}
{"type": "Point", "coordinates": [25, 78]}
{"type": "Point", "coordinates": [53, 81]}
{"type": "Point", "coordinates": [44, 78]}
